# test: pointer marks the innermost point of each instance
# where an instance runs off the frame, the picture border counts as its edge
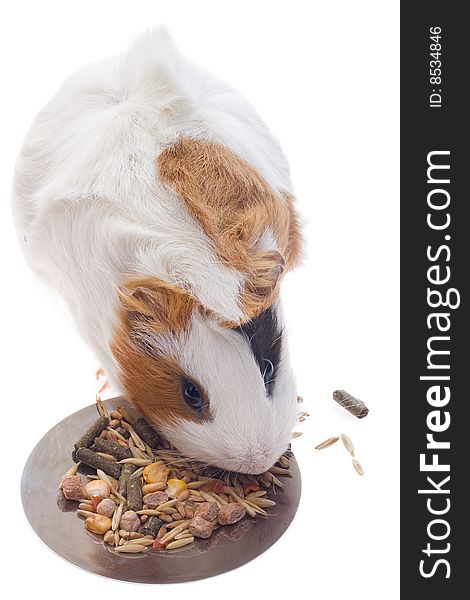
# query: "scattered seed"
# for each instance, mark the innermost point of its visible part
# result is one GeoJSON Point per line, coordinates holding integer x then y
{"type": "Point", "coordinates": [327, 443]}
{"type": "Point", "coordinates": [358, 467]}
{"type": "Point", "coordinates": [347, 444]}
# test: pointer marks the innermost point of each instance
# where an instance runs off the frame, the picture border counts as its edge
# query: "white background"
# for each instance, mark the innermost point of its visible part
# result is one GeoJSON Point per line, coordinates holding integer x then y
{"type": "Point", "coordinates": [324, 76]}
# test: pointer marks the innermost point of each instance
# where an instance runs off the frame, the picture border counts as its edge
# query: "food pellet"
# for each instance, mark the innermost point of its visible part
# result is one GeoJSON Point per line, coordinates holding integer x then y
{"type": "Point", "coordinates": [355, 406]}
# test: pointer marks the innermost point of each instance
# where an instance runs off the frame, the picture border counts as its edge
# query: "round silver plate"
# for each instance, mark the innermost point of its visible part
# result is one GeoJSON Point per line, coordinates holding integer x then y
{"type": "Point", "coordinates": [55, 521]}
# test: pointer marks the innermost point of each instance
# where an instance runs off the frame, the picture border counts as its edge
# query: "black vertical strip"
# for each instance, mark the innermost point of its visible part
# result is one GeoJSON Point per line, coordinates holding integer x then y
{"type": "Point", "coordinates": [432, 124]}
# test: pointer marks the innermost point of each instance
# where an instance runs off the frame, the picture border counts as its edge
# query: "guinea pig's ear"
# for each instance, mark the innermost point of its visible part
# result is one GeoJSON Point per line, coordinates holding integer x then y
{"type": "Point", "coordinates": [262, 284]}
{"type": "Point", "coordinates": [152, 303]}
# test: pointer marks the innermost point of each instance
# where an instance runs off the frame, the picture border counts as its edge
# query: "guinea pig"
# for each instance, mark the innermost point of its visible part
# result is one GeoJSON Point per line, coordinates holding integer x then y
{"type": "Point", "coordinates": [153, 197]}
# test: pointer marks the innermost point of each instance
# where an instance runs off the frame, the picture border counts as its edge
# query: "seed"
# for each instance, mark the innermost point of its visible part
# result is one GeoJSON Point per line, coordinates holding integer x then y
{"type": "Point", "coordinates": [178, 523]}
{"type": "Point", "coordinates": [109, 537]}
{"type": "Point", "coordinates": [347, 444]}
{"type": "Point", "coordinates": [327, 443]}
{"type": "Point", "coordinates": [280, 471]}
{"type": "Point", "coordinates": [149, 488]}
{"type": "Point", "coordinates": [183, 535]}
{"type": "Point", "coordinates": [136, 453]}
{"type": "Point", "coordinates": [98, 523]}
{"type": "Point", "coordinates": [85, 513]}
{"type": "Point", "coordinates": [137, 473]}
{"type": "Point", "coordinates": [117, 516]}
{"type": "Point", "coordinates": [102, 475]}
{"type": "Point", "coordinates": [135, 535]}
{"type": "Point", "coordinates": [116, 435]}
{"type": "Point", "coordinates": [140, 542]}
{"type": "Point", "coordinates": [257, 494]}
{"type": "Point", "coordinates": [180, 543]}
{"type": "Point", "coordinates": [114, 423]}
{"type": "Point", "coordinates": [180, 508]}
{"type": "Point", "coordinates": [171, 534]}
{"type": "Point", "coordinates": [167, 504]}
{"type": "Point", "coordinates": [358, 467]}
{"type": "Point", "coordinates": [115, 414]}
{"type": "Point", "coordinates": [149, 511]}
{"type": "Point", "coordinates": [130, 549]}
{"type": "Point", "coordinates": [97, 488]}
{"type": "Point", "coordinates": [258, 510]}
{"type": "Point", "coordinates": [136, 438]}
{"type": "Point", "coordinates": [139, 462]}
{"type": "Point", "coordinates": [107, 456]}
{"type": "Point", "coordinates": [143, 518]}
{"type": "Point", "coordinates": [245, 505]}
{"type": "Point", "coordinates": [184, 495]}
{"type": "Point", "coordinates": [118, 496]}
{"type": "Point", "coordinates": [72, 471]}
{"type": "Point", "coordinates": [86, 506]}
{"type": "Point", "coordinates": [169, 510]}
{"type": "Point", "coordinates": [273, 479]}
{"type": "Point", "coordinates": [102, 410]}
{"type": "Point", "coordinates": [296, 434]}
{"type": "Point", "coordinates": [175, 487]}
{"type": "Point", "coordinates": [161, 532]}
{"type": "Point", "coordinates": [194, 485]}
{"type": "Point", "coordinates": [165, 518]}
{"type": "Point", "coordinates": [261, 502]}
{"type": "Point", "coordinates": [218, 498]}
{"type": "Point", "coordinates": [123, 533]}
{"type": "Point", "coordinates": [125, 414]}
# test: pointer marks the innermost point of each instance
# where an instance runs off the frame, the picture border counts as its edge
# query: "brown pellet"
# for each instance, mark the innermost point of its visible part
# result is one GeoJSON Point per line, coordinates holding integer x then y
{"type": "Point", "coordinates": [355, 406]}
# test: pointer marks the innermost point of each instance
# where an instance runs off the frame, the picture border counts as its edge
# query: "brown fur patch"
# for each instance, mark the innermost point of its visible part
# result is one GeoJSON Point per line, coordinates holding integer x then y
{"type": "Point", "coordinates": [235, 206]}
{"type": "Point", "coordinates": [152, 380]}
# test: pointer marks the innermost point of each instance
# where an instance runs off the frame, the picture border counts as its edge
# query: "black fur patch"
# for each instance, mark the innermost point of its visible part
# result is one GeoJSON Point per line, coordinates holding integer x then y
{"type": "Point", "coordinates": [265, 338]}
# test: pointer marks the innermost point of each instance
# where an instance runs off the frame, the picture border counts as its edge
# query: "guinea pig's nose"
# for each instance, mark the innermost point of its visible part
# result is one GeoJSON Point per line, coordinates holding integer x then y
{"type": "Point", "coordinates": [255, 462]}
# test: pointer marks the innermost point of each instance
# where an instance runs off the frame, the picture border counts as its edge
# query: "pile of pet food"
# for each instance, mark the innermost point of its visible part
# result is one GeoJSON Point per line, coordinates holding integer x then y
{"type": "Point", "coordinates": [141, 494]}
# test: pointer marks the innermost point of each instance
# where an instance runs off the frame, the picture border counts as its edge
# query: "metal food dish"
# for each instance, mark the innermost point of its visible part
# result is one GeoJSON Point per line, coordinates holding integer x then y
{"type": "Point", "coordinates": [54, 520]}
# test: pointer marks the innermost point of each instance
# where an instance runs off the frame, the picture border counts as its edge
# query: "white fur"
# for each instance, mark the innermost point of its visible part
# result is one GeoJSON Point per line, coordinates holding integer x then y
{"type": "Point", "coordinates": [90, 211]}
{"type": "Point", "coordinates": [250, 429]}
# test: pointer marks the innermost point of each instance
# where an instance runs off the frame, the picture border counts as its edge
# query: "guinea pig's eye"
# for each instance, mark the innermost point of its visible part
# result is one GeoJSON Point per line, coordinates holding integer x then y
{"type": "Point", "coordinates": [192, 395]}
{"type": "Point", "coordinates": [268, 370]}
